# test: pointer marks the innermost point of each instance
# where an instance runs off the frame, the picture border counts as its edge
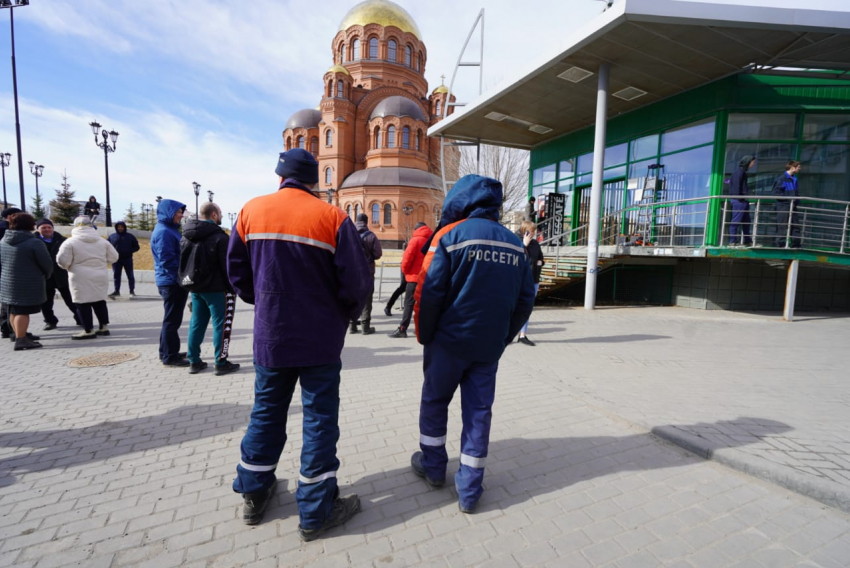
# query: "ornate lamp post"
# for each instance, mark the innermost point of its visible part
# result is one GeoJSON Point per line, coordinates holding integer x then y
{"type": "Point", "coordinates": [17, 4]}
{"type": "Point", "coordinates": [196, 187]}
{"type": "Point", "coordinates": [5, 160]}
{"type": "Point", "coordinates": [104, 145]}
{"type": "Point", "coordinates": [232, 217]}
{"type": "Point", "coordinates": [210, 194]}
{"type": "Point", "coordinates": [330, 191]}
{"type": "Point", "coordinates": [36, 171]}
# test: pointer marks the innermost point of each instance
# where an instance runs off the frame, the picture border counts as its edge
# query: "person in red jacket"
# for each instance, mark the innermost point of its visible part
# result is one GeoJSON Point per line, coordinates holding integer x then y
{"type": "Point", "coordinates": [411, 264]}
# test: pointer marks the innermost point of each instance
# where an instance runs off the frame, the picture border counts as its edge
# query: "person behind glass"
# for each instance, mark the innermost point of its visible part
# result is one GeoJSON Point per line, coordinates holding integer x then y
{"type": "Point", "coordinates": [5, 328]}
{"type": "Point", "coordinates": [536, 260]}
{"type": "Point", "coordinates": [740, 207]}
{"type": "Point", "coordinates": [58, 280]}
{"type": "Point", "coordinates": [165, 246]}
{"type": "Point", "coordinates": [786, 209]}
{"type": "Point", "coordinates": [127, 245]}
{"type": "Point", "coordinates": [530, 212]}
{"type": "Point", "coordinates": [26, 266]}
{"type": "Point", "coordinates": [411, 264]}
{"type": "Point", "coordinates": [92, 208]}
{"type": "Point", "coordinates": [87, 257]}
{"type": "Point", "coordinates": [372, 248]}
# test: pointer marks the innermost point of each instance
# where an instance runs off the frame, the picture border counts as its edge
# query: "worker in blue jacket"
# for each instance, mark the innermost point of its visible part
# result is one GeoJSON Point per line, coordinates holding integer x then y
{"type": "Point", "coordinates": [786, 209]}
{"type": "Point", "coordinates": [738, 189]}
{"type": "Point", "coordinates": [474, 293]}
{"type": "Point", "coordinates": [165, 246]}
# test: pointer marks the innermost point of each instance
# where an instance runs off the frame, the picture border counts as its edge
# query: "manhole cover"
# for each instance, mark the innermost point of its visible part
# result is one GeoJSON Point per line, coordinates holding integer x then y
{"type": "Point", "coordinates": [104, 359]}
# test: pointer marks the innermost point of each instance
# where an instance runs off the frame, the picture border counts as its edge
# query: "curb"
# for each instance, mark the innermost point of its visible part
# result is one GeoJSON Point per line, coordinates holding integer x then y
{"type": "Point", "coordinates": [827, 492]}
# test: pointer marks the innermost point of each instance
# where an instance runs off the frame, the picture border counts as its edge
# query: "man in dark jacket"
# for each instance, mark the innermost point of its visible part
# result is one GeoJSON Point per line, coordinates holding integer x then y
{"type": "Point", "coordinates": [373, 250]}
{"type": "Point", "coordinates": [299, 260]}
{"type": "Point", "coordinates": [126, 245]}
{"type": "Point", "coordinates": [213, 298]}
{"type": "Point", "coordinates": [786, 209]}
{"type": "Point", "coordinates": [92, 208]}
{"type": "Point", "coordinates": [475, 292]}
{"type": "Point", "coordinates": [165, 246]}
{"type": "Point", "coordinates": [740, 206]}
{"type": "Point", "coordinates": [411, 263]}
{"type": "Point", "coordinates": [5, 328]}
{"type": "Point", "coordinates": [58, 280]}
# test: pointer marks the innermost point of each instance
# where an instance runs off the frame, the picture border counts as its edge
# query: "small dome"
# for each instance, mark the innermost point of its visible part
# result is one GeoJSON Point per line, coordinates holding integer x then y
{"type": "Point", "coordinates": [392, 177]}
{"type": "Point", "coordinates": [442, 89]}
{"type": "Point", "coordinates": [381, 12]}
{"type": "Point", "coordinates": [338, 69]}
{"type": "Point", "coordinates": [305, 118]}
{"type": "Point", "coordinates": [398, 106]}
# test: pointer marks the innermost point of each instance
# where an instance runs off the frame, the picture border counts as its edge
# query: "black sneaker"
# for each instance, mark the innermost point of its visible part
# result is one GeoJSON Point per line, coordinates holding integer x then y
{"type": "Point", "coordinates": [195, 368]}
{"type": "Point", "coordinates": [416, 464]}
{"type": "Point", "coordinates": [30, 336]}
{"type": "Point", "coordinates": [399, 333]}
{"type": "Point", "coordinates": [467, 510]}
{"type": "Point", "coordinates": [26, 343]}
{"type": "Point", "coordinates": [113, 295]}
{"type": "Point", "coordinates": [132, 294]}
{"type": "Point", "coordinates": [254, 505]}
{"type": "Point", "coordinates": [387, 312]}
{"type": "Point", "coordinates": [352, 329]}
{"type": "Point", "coordinates": [368, 330]}
{"type": "Point", "coordinates": [176, 363]}
{"type": "Point", "coordinates": [49, 327]}
{"type": "Point", "coordinates": [226, 368]}
{"type": "Point", "coordinates": [344, 508]}
{"type": "Point", "coordinates": [526, 341]}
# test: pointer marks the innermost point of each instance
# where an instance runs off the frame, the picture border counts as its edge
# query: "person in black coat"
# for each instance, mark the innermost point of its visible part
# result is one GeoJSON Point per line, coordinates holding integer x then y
{"type": "Point", "coordinates": [92, 208]}
{"type": "Point", "coordinates": [535, 258]}
{"type": "Point", "coordinates": [5, 328]}
{"type": "Point", "coordinates": [126, 245]}
{"type": "Point", "coordinates": [372, 249]}
{"type": "Point", "coordinates": [58, 281]}
{"type": "Point", "coordinates": [738, 188]}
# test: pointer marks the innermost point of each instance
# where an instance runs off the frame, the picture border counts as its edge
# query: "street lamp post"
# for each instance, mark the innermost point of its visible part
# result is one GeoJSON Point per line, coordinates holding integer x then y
{"type": "Point", "coordinates": [5, 160]}
{"type": "Point", "coordinates": [210, 195]}
{"type": "Point", "coordinates": [17, 4]}
{"type": "Point", "coordinates": [36, 171]}
{"type": "Point", "coordinates": [232, 217]}
{"type": "Point", "coordinates": [196, 187]}
{"type": "Point", "coordinates": [107, 136]}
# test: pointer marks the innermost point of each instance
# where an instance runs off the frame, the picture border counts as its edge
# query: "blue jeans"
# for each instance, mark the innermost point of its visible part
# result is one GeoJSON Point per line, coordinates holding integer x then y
{"type": "Point", "coordinates": [444, 372]}
{"type": "Point", "coordinates": [740, 219]}
{"type": "Point", "coordinates": [206, 305]}
{"type": "Point", "coordinates": [266, 436]}
{"type": "Point", "coordinates": [524, 329]}
{"type": "Point", "coordinates": [173, 302]}
{"type": "Point", "coordinates": [127, 265]}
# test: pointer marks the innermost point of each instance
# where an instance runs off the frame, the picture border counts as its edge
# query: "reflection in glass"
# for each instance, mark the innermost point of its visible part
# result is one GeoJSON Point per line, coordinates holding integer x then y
{"type": "Point", "coordinates": [762, 126]}
{"type": "Point", "coordinates": [585, 163]}
{"type": "Point", "coordinates": [567, 168]}
{"type": "Point", "coordinates": [687, 136]}
{"type": "Point", "coordinates": [543, 190]}
{"type": "Point", "coordinates": [825, 172]}
{"type": "Point", "coordinates": [688, 174]}
{"type": "Point", "coordinates": [646, 147]}
{"type": "Point", "coordinates": [545, 174]}
{"type": "Point", "coordinates": [827, 127]}
{"type": "Point", "coordinates": [616, 155]}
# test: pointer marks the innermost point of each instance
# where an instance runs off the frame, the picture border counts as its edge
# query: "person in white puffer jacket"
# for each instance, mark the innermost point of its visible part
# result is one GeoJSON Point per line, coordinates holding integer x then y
{"type": "Point", "coordinates": [87, 258]}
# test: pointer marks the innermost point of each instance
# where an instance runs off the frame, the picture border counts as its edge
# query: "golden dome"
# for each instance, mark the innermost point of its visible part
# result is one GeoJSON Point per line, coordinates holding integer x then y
{"type": "Point", "coordinates": [440, 90]}
{"type": "Point", "coordinates": [338, 69]}
{"type": "Point", "coordinates": [381, 12]}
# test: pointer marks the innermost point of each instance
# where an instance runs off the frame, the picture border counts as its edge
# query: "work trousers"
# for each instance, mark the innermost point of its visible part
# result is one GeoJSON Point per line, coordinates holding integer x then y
{"type": "Point", "coordinates": [127, 265]}
{"type": "Point", "coordinates": [47, 306]}
{"type": "Point", "coordinates": [206, 306]}
{"type": "Point", "coordinates": [786, 211]}
{"type": "Point", "coordinates": [402, 285]}
{"type": "Point", "coordinates": [84, 312]}
{"type": "Point", "coordinates": [740, 222]}
{"type": "Point", "coordinates": [366, 314]}
{"type": "Point", "coordinates": [263, 442]}
{"type": "Point", "coordinates": [409, 298]}
{"type": "Point", "coordinates": [173, 302]}
{"type": "Point", "coordinates": [443, 373]}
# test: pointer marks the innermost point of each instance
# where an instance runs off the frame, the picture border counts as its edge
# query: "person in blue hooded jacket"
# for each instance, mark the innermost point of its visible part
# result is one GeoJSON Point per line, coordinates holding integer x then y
{"type": "Point", "coordinates": [165, 246]}
{"type": "Point", "coordinates": [474, 293]}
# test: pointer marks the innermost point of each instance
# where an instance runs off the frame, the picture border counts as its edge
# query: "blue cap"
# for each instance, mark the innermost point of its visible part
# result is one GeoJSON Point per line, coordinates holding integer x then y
{"type": "Point", "coordinates": [298, 164]}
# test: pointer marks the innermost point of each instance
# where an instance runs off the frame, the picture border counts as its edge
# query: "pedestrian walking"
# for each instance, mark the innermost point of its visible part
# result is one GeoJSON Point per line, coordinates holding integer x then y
{"type": "Point", "coordinates": [373, 250]}
{"type": "Point", "coordinates": [165, 246]}
{"type": "Point", "coordinates": [92, 208]}
{"type": "Point", "coordinates": [536, 261]}
{"type": "Point", "coordinates": [58, 281]}
{"type": "Point", "coordinates": [741, 207]}
{"type": "Point", "coordinates": [127, 245]}
{"type": "Point", "coordinates": [300, 261]}
{"type": "Point", "coordinates": [787, 218]}
{"type": "Point", "coordinates": [402, 286]}
{"type": "Point", "coordinates": [86, 257]}
{"type": "Point", "coordinates": [411, 264]}
{"type": "Point", "coordinates": [5, 328]}
{"type": "Point", "coordinates": [26, 266]}
{"type": "Point", "coordinates": [475, 291]}
{"type": "Point", "coordinates": [203, 271]}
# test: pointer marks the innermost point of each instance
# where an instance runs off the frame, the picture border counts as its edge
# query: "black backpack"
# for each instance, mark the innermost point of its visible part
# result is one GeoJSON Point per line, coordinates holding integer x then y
{"type": "Point", "coordinates": [195, 270]}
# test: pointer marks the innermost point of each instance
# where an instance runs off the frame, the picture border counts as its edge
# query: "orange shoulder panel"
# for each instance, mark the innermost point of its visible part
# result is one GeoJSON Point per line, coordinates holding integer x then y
{"type": "Point", "coordinates": [429, 256]}
{"type": "Point", "coordinates": [291, 211]}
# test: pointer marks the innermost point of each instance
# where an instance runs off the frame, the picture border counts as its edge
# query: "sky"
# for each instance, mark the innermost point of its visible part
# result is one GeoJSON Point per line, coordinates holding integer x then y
{"type": "Point", "coordinates": [200, 90]}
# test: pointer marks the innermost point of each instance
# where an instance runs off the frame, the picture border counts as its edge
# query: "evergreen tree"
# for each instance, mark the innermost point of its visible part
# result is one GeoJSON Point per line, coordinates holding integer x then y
{"type": "Point", "coordinates": [130, 218]}
{"type": "Point", "coordinates": [63, 210]}
{"type": "Point", "coordinates": [38, 207]}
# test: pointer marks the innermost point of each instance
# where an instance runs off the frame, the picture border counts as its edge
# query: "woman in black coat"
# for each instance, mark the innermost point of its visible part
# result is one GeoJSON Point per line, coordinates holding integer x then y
{"type": "Point", "coordinates": [535, 257]}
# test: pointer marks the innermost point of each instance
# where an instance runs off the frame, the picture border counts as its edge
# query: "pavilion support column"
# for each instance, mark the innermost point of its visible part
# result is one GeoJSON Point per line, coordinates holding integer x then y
{"type": "Point", "coordinates": [791, 290]}
{"type": "Point", "coordinates": [596, 189]}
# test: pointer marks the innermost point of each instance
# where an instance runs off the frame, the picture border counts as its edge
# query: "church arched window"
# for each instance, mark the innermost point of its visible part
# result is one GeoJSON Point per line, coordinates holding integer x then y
{"type": "Point", "coordinates": [378, 137]}
{"type": "Point", "coordinates": [388, 214]}
{"type": "Point", "coordinates": [340, 89]}
{"type": "Point", "coordinates": [314, 144]}
{"type": "Point", "coordinates": [356, 211]}
{"type": "Point", "coordinates": [288, 143]}
{"type": "Point", "coordinates": [348, 211]}
{"type": "Point", "coordinates": [328, 174]}
{"type": "Point", "coordinates": [392, 51]}
{"type": "Point", "coordinates": [439, 108]}
{"type": "Point", "coordinates": [419, 62]}
{"type": "Point", "coordinates": [331, 88]}
{"type": "Point", "coordinates": [341, 53]}
{"type": "Point", "coordinates": [302, 143]}
{"type": "Point", "coordinates": [418, 140]}
{"type": "Point", "coordinates": [405, 138]}
{"type": "Point", "coordinates": [391, 137]}
{"type": "Point", "coordinates": [329, 138]}
{"type": "Point", "coordinates": [407, 54]}
{"type": "Point", "coordinates": [373, 48]}
{"type": "Point", "coordinates": [355, 50]}
{"type": "Point", "coordinates": [376, 214]}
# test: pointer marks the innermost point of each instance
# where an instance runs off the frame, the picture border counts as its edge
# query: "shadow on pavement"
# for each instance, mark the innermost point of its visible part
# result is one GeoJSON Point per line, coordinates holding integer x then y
{"type": "Point", "coordinates": [605, 339]}
{"type": "Point", "coordinates": [355, 357]}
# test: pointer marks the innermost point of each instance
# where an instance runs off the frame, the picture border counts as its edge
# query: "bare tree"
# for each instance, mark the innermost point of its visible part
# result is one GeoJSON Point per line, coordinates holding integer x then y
{"type": "Point", "coordinates": [508, 165]}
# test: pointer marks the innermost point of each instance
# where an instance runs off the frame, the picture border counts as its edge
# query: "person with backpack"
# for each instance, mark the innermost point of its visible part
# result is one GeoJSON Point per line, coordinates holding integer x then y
{"type": "Point", "coordinates": [165, 246]}
{"type": "Point", "coordinates": [372, 248]}
{"type": "Point", "coordinates": [203, 272]}
{"type": "Point", "coordinates": [127, 245]}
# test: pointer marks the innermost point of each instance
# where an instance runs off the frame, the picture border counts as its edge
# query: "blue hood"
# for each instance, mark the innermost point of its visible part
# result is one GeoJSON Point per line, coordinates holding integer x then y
{"type": "Point", "coordinates": [167, 209]}
{"type": "Point", "coordinates": [473, 196]}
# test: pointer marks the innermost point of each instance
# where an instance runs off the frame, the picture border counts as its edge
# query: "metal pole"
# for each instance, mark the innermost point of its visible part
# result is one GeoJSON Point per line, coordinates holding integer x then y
{"type": "Point", "coordinates": [380, 281]}
{"type": "Point", "coordinates": [596, 188]}
{"type": "Point", "coordinates": [36, 188]}
{"type": "Point", "coordinates": [844, 229]}
{"type": "Point", "coordinates": [790, 218]}
{"type": "Point", "coordinates": [755, 234]}
{"type": "Point", "coordinates": [17, 114]}
{"type": "Point", "coordinates": [6, 203]}
{"type": "Point", "coordinates": [791, 290]}
{"type": "Point", "coordinates": [723, 223]}
{"type": "Point", "coordinates": [106, 169]}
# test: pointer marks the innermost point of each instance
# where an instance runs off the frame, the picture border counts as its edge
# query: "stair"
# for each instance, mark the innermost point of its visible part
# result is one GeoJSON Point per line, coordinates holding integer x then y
{"type": "Point", "coordinates": [569, 269]}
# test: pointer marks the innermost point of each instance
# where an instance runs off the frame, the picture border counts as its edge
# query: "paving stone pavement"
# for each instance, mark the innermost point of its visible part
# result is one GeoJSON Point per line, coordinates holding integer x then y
{"type": "Point", "coordinates": [131, 465]}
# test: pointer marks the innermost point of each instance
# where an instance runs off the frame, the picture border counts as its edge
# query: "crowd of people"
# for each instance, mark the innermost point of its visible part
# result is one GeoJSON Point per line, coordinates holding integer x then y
{"type": "Point", "coordinates": [308, 270]}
